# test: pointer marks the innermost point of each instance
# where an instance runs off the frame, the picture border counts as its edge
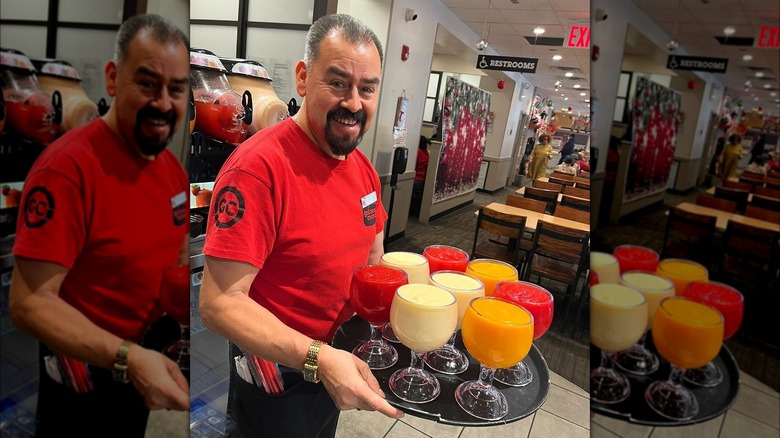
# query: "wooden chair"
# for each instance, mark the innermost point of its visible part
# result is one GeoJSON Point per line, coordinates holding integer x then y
{"type": "Point", "coordinates": [539, 184]}
{"type": "Point", "coordinates": [584, 174]}
{"type": "Point", "coordinates": [758, 213]}
{"type": "Point", "coordinates": [751, 180]}
{"type": "Point", "coordinates": [572, 214]}
{"type": "Point", "coordinates": [548, 196]}
{"type": "Point", "coordinates": [767, 192]}
{"type": "Point", "coordinates": [498, 225]}
{"type": "Point", "coordinates": [525, 203]}
{"type": "Point", "coordinates": [561, 181]}
{"type": "Point", "coordinates": [561, 175]}
{"type": "Point", "coordinates": [573, 191]}
{"type": "Point", "coordinates": [738, 196]}
{"type": "Point", "coordinates": [737, 185]}
{"type": "Point", "coordinates": [689, 236]}
{"type": "Point", "coordinates": [582, 183]}
{"type": "Point", "coordinates": [764, 202]}
{"type": "Point", "coordinates": [750, 257]}
{"type": "Point", "coordinates": [717, 203]}
{"type": "Point", "coordinates": [580, 204]}
{"type": "Point", "coordinates": [772, 182]}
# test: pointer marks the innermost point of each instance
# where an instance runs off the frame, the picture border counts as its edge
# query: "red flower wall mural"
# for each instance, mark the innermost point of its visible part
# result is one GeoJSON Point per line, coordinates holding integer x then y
{"type": "Point", "coordinates": [464, 124]}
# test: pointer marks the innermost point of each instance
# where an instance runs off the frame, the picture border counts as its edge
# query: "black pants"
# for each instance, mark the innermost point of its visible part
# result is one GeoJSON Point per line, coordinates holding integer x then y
{"type": "Point", "coordinates": [303, 410]}
{"type": "Point", "coordinates": [113, 409]}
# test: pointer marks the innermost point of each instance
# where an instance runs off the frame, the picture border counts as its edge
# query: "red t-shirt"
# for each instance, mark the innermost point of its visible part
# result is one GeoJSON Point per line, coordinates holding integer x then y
{"type": "Point", "coordinates": [421, 166]}
{"type": "Point", "coordinates": [306, 220]}
{"type": "Point", "coordinates": [114, 219]}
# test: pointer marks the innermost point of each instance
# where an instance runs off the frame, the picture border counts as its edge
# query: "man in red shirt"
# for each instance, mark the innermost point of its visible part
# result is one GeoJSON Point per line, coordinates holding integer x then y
{"type": "Point", "coordinates": [87, 273]}
{"type": "Point", "coordinates": [421, 165]}
{"type": "Point", "coordinates": [295, 212]}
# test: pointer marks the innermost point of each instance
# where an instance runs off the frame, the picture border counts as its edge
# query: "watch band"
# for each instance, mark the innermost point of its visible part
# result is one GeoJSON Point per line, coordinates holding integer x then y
{"type": "Point", "coordinates": [310, 367]}
{"type": "Point", "coordinates": [119, 370]}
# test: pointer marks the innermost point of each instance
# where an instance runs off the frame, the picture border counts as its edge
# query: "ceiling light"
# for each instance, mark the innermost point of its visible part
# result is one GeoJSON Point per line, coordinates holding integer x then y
{"type": "Point", "coordinates": [481, 45]}
{"type": "Point", "coordinates": [565, 98]}
{"type": "Point", "coordinates": [569, 74]}
{"type": "Point", "coordinates": [583, 94]}
{"type": "Point", "coordinates": [747, 83]}
{"type": "Point", "coordinates": [538, 30]}
{"type": "Point", "coordinates": [587, 100]}
{"type": "Point", "coordinates": [755, 98]}
{"type": "Point", "coordinates": [557, 83]}
{"type": "Point", "coordinates": [557, 57]}
{"type": "Point", "coordinates": [728, 31]}
{"type": "Point", "coordinates": [759, 74]}
{"type": "Point", "coordinates": [767, 85]}
{"type": "Point", "coordinates": [576, 85]}
{"type": "Point", "coordinates": [562, 94]}
{"type": "Point", "coordinates": [747, 57]}
{"type": "Point", "coordinates": [773, 94]}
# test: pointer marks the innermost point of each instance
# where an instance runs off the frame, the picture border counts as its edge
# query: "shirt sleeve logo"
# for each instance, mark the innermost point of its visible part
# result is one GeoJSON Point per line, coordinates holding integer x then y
{"type": "Point", "coordinates": [39, 207]}
{"type": "Point", "coordinates": [230, 207]}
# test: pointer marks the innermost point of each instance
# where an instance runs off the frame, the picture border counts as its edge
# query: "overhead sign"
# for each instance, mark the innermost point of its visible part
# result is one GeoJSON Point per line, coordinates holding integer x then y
{"type": "Point", "coordinates": [768, 37]}
{"type": "Point", "coordinates": [507, 63]}
{"type": "Point", "coordinates": [579, 37]}
{"type": "Point", "coordinates": [698, 63]}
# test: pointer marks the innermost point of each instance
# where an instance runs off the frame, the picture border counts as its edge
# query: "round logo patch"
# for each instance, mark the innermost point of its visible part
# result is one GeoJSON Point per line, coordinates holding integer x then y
{"type": "Point", "coordinates": [39, 207]}
{"type": "Point", "coordinates": [230, 207]}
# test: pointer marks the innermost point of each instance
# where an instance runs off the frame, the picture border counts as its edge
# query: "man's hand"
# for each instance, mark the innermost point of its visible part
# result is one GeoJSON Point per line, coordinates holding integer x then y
{"type": "Point", "coordinates": [350, 383]}
{"type": "Point", "coordinates": [158, 379]}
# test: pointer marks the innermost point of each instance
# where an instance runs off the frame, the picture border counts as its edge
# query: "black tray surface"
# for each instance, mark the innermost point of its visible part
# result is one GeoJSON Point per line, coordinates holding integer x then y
{"type": "Point", "coordinates": [444, 409]}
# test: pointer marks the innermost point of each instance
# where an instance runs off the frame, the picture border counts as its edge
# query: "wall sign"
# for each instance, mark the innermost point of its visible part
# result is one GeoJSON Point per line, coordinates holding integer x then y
{"type": "Point", "coordinates": [507, 63]}
{"type": "Point", "coordinates": [579, 37]}
{"type": "Point", "coordinates": [698, 63]}
{"type": "Point", "coordinates": [768, 37]}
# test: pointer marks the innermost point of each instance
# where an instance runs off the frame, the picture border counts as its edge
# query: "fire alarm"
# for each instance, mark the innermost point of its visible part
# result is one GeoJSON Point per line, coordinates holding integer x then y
{"type": "Point", "coordinates": [594, 53]}
{"type": "Point", "coordinates": [501, 85]}
{"type": "Point", "coordinates": [404, 52]}
{"type": "Point", "coordinates": [691, 85]}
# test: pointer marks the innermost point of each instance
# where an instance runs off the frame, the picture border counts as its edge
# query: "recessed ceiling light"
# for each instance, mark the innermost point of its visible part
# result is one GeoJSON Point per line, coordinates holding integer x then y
{"type": "Point", "coordinates": [557, 57]}
{"type": "Point", "coordinates": [767, 86]}
{"type": "Point", "coordinates": [728, 31]}
{"type": "Point", "coordinates": [569, 74]}
{"type": "Point", "coordinates": [747, 83]}
{"type": "Point", "coordinates": [562, 94]}
{"type": "Point", "coordinates": [755, 98]}
{"type": "Point", "coordinates": [587, 100]}
{"type": "Point", "coordinates": [538, 30]}
{"type": "Point", "coordinates": [773, 94]}
{"type": "Point", "coordinates": [583, 94]}
{"type": "Point", "coordinates": [759, 74]}
{"type": "Point", "coordinates": [565, 98]}
{"type": "Point", "coordinates": [576, 85]}
{"type": "Point", "coordinates": [747, 57]}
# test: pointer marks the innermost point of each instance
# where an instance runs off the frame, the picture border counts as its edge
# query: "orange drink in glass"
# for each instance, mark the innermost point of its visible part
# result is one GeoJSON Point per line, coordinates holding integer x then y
{"type": "Point", "coordinates": [681, 272]}
{"type": "Point", "coordinates": [491, 272]}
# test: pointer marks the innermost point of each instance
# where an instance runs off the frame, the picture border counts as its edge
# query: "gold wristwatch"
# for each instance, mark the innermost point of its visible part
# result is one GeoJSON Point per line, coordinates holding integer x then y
{"type": "Point", "coordinates": [310, 366]}
{"type": "Point", "coordinates": [120, 365]}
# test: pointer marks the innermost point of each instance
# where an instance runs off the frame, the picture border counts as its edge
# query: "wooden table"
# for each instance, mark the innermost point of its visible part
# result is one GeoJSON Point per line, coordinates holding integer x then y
{"type": "Point", "coordinates": [724, 217]}
{"type": "Point", "coordinates": [533, 217]}
{"type": "Point", "coordinates": [521, 192]}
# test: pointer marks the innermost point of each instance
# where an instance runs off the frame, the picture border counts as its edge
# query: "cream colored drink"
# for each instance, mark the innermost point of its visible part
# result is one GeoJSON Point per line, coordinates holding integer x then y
{"type": "Point", "coordinates": [464, 287]}
{"type": "Point", "coordinates": [653, 287]}
{"type": "Point", "coordinates": [415, 265]}
{"type": "Point", "coordinates": [605, 266]}
{"type": "Point", "coordinates": [618, 316]}
{"type": "Point", "coordinates": [423, 316]}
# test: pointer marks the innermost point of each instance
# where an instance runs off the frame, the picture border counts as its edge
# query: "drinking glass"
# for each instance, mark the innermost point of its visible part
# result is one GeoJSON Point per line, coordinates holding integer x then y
{"type": "Point", "coordinates": [638, 359]}
{"type": "Point", "coordinates": [491, 272]}
{"type": "Point", "coordinates": [423, 317]}
{"type": "Point", "coordinates": [448, 359]}
{"type": "Point", "coordinates": [605, 266]}
{"type": "Point", "coordinates": [636, 258]}
{"type": "Point", "coordinates": [446, 258]}
{"type": "Point", "coordinates": [681, 272]}
{"type": "Point", "coordinates": [731, 304]}
{"type": "Point", "coordinates": [538, 301]}
{"type": "Point", "coordinates": [498, 334]}
{"type": "Point", "coordinates": [175, 300]}
{"type": "Point", "coordinates": [618, 317]}
{"type": "Point", "coordinates": [371, 295]}
{"type": "Point", "coordinates": [687, 334]}
{"type": "Point", "coordinates": [415, 266]}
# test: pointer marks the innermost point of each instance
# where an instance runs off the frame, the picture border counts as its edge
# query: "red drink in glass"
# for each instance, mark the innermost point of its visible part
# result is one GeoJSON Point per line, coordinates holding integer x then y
{"type": "Point", "coordinates": [446, 258]}
{"type": "Point", "coordinates": [372, 290]}
{"type": "Point", "coordinates": [724, 298]}
{"type": "Point", "coordinates": [175, 293]}
{"type": "Point", "coordinates": [535, 299]}
{"type": "Point", "coordinates": [636, 258]}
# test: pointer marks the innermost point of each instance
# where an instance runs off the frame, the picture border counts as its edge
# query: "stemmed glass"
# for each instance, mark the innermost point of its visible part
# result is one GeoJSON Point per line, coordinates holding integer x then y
{"type": "Point", "coordinates": [491, 272]}
{"type": "Point", "coordinates": [415, 266]}
{"type": "Point", "coordinates": [618, 317]}
{"type": "Point", "coordinates": [687, 334]}
{"type": "Point", "coordinates": [638, 359]}
{"type": "Point", "coordinates": [605, 266]}
{"type": "Point", "coordinates": [498, 334]}
{"type": "Point", "coordinates": [731, 304]}
{"type": "Point", "coordinates": [681, 272]}
{"type": "Point", "coordinates": [448, 359]}
{"type": "Point", "coordinates": [538, 301]}
{"type": "Point", "coordinates": [636, 258]}
{"type": "Point", "coordinates": [423, 317]}
{"type": "Point", "coordinates": [446, 258]}
{"type": "Point", "coordinates": [371, 295]}
{"type": "Point", "coordinates": [175, 300]}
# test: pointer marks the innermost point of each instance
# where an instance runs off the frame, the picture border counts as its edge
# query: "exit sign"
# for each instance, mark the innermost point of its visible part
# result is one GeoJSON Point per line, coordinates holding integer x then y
{"type": "Point", "coordinates": [768, 37]}
{"type": "Point", "coordinates": [579, 37]}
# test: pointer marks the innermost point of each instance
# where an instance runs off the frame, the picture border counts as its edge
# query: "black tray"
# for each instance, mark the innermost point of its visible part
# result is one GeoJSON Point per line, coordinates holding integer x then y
{"type": "Point", "coordinates": [712, 401]}
{"type": "Point", "coordinates": [444, 409]}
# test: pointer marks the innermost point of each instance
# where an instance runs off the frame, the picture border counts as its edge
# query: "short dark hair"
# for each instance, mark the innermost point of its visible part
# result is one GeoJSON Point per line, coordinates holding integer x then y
{"type": "Point", "coordinates": [570, 159]}
{"type": "Point", "coordinates": [734, 138]}
{"type": "Point", "coordinates": [163, 31]}
{"type": "Point", "coordinates": [353, 30]}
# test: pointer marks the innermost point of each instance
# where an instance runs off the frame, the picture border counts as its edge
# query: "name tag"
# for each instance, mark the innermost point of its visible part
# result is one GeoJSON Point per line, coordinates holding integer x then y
{"type": "Point", "coordinates": [178, 200]}
{"type": "Point", "coordinates": [368, 199]}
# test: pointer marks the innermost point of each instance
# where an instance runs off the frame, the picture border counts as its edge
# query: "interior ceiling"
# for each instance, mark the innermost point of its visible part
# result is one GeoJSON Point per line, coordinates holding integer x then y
{"type": "Point", "coordinates": [698, 24]}
{"type": "Point", "coordinates": [510, 28]}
